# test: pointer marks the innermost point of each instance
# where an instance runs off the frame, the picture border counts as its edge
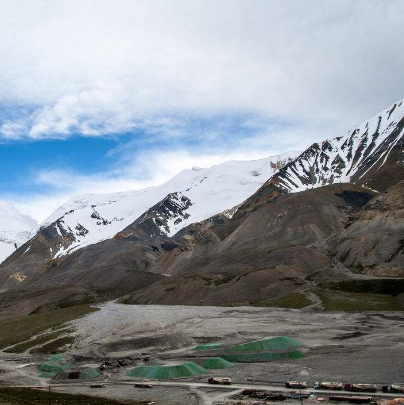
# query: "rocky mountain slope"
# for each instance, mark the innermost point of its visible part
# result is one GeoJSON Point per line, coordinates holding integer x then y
{"type": "Point", "coordinates": [147, 217]}
{"type": "Point", "coordinates": [15, 229]}
{"type": "Point", "coordinates": [374, 241]}
{"type": "Point", "coordinates": [268, 253]}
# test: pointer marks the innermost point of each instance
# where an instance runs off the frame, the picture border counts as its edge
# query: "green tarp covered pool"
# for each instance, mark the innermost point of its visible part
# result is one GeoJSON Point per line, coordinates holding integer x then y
{"type": "Point", "coordinates": [217, 363]}
{"type": "Point", "coordinates": [266, 345]}
{"type": "Point", "coordinates": [168, 372]}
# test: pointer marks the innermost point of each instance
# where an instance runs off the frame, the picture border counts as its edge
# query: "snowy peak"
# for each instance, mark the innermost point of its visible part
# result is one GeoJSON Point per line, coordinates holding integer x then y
{"type": "Point", "coordinates": [355, 157]}
{"type": "Point", "coordinates": [15, 228]}
{"type": "Point", "coordinates": [13, 220]}
{"type": "Point", "coordinates": [191, 196]}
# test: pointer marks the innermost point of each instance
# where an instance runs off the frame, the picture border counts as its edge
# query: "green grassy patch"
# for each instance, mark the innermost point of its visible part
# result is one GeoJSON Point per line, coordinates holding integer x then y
{"type": "Point", "coordinates": [21, 329]}
{"type": "Point", "coordinates": [55, 346]}
{"type": "Point", "coordinates": [91, 296]}
{"type": "Point", "coordinates": [27, 396]}
{"type": "Point", "coordinates": [346, 301]}
{"type": "Point", "coordinates": [40, 340]}
{"type": "Point", "coordinates": [380, 286]}
{"type": "Point", "coordinates": [292, 300]}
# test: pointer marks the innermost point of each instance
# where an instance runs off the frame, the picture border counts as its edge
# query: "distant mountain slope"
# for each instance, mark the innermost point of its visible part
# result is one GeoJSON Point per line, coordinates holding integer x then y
{"type": "Point", "coordinates": [144, 216]}
{"type": "Point", "coordinates": [92, 218]}
{"type": "Point", "coordinates": [15, 229]}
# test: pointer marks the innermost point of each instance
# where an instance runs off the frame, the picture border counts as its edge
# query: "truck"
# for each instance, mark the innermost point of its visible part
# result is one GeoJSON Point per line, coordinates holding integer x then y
{"type": "Point", "coordinates": [360, 387]}
{"type": "Point", "coordinates": [328, 385]}
{"type": "Point", "coordinates": [397, 388]}
{"type": "Point", "coordinates": [296, 384]}
{"type": "Point", "coordinates": [352, 400]}
{"type": "Point", "coordinates": [220, 380]}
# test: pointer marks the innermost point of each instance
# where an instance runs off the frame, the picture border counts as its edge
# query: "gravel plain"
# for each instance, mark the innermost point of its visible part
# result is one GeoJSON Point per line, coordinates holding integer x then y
{"type": "Point", "coordinates": [339, 346]}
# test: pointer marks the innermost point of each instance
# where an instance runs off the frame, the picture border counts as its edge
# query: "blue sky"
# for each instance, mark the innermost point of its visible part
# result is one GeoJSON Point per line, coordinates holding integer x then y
{"type": "Point", "coordinates": [58, 167]}
{"type": "Point", "coordinates": [20, 160]}
{"type": "Point", "coordinates": [101, 96]}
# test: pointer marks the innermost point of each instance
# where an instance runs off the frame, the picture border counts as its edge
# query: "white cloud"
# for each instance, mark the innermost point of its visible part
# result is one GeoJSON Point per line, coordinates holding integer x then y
{"type": "Point", "coordinates": [98, 67]}
{"type": "Point", "coordinates": [38, 206]}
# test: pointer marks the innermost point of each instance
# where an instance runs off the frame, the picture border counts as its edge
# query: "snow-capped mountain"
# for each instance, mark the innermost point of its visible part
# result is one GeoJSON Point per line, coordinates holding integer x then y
{"type": "Point", "coordinates": [15, 228]}
{"type": "Point", "coordinates": [193, 195]}
{"type": "Point", "coordinates": [135, 228]}
{"type": "Point", "coordinates": [361, 156]}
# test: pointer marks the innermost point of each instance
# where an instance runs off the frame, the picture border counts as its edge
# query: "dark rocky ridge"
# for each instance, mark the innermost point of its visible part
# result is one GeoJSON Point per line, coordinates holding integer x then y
{"type": "Point", "coordinates": [384, 168]}
{"type": "Point", "coordinates": [154, 222]}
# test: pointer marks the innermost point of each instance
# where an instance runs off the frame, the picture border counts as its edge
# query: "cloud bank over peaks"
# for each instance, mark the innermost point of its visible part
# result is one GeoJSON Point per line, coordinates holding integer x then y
{"type": "Point", "coordinates": [97, 68]}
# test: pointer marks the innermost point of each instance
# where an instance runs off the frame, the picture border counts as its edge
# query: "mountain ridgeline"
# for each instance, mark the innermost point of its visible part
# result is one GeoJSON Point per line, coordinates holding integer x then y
{"type": "Point", "coordinates": [370, 155]}
{"type": "Point", "coordinates": [367, 155]}
{"type": "Point", "coordinates": [237, 233]}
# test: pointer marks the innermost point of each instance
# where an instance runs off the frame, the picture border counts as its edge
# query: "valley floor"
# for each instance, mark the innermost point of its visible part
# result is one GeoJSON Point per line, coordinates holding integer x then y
{"type": "Point", "coordinates": [357, 347]}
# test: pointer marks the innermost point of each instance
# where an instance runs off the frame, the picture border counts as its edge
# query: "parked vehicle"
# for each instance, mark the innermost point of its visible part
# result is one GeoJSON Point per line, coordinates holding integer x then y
{"type": "Point", "coordinates": [328, 385]}
{"type": "Point", "coordinates": [353, 400]}
{"type": "Point", "coordinates": [98, 386]}
{"type": "Point", "coordinates": [296, 384]}
{"type": "Point", "coordinates": [360, 387]}
{"type": "Point", "coordinates": [143, 385]}
{"type": "Point", "coordinates": [398, 388]}
{"type": "Point", "coordinates": [219, 380]}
